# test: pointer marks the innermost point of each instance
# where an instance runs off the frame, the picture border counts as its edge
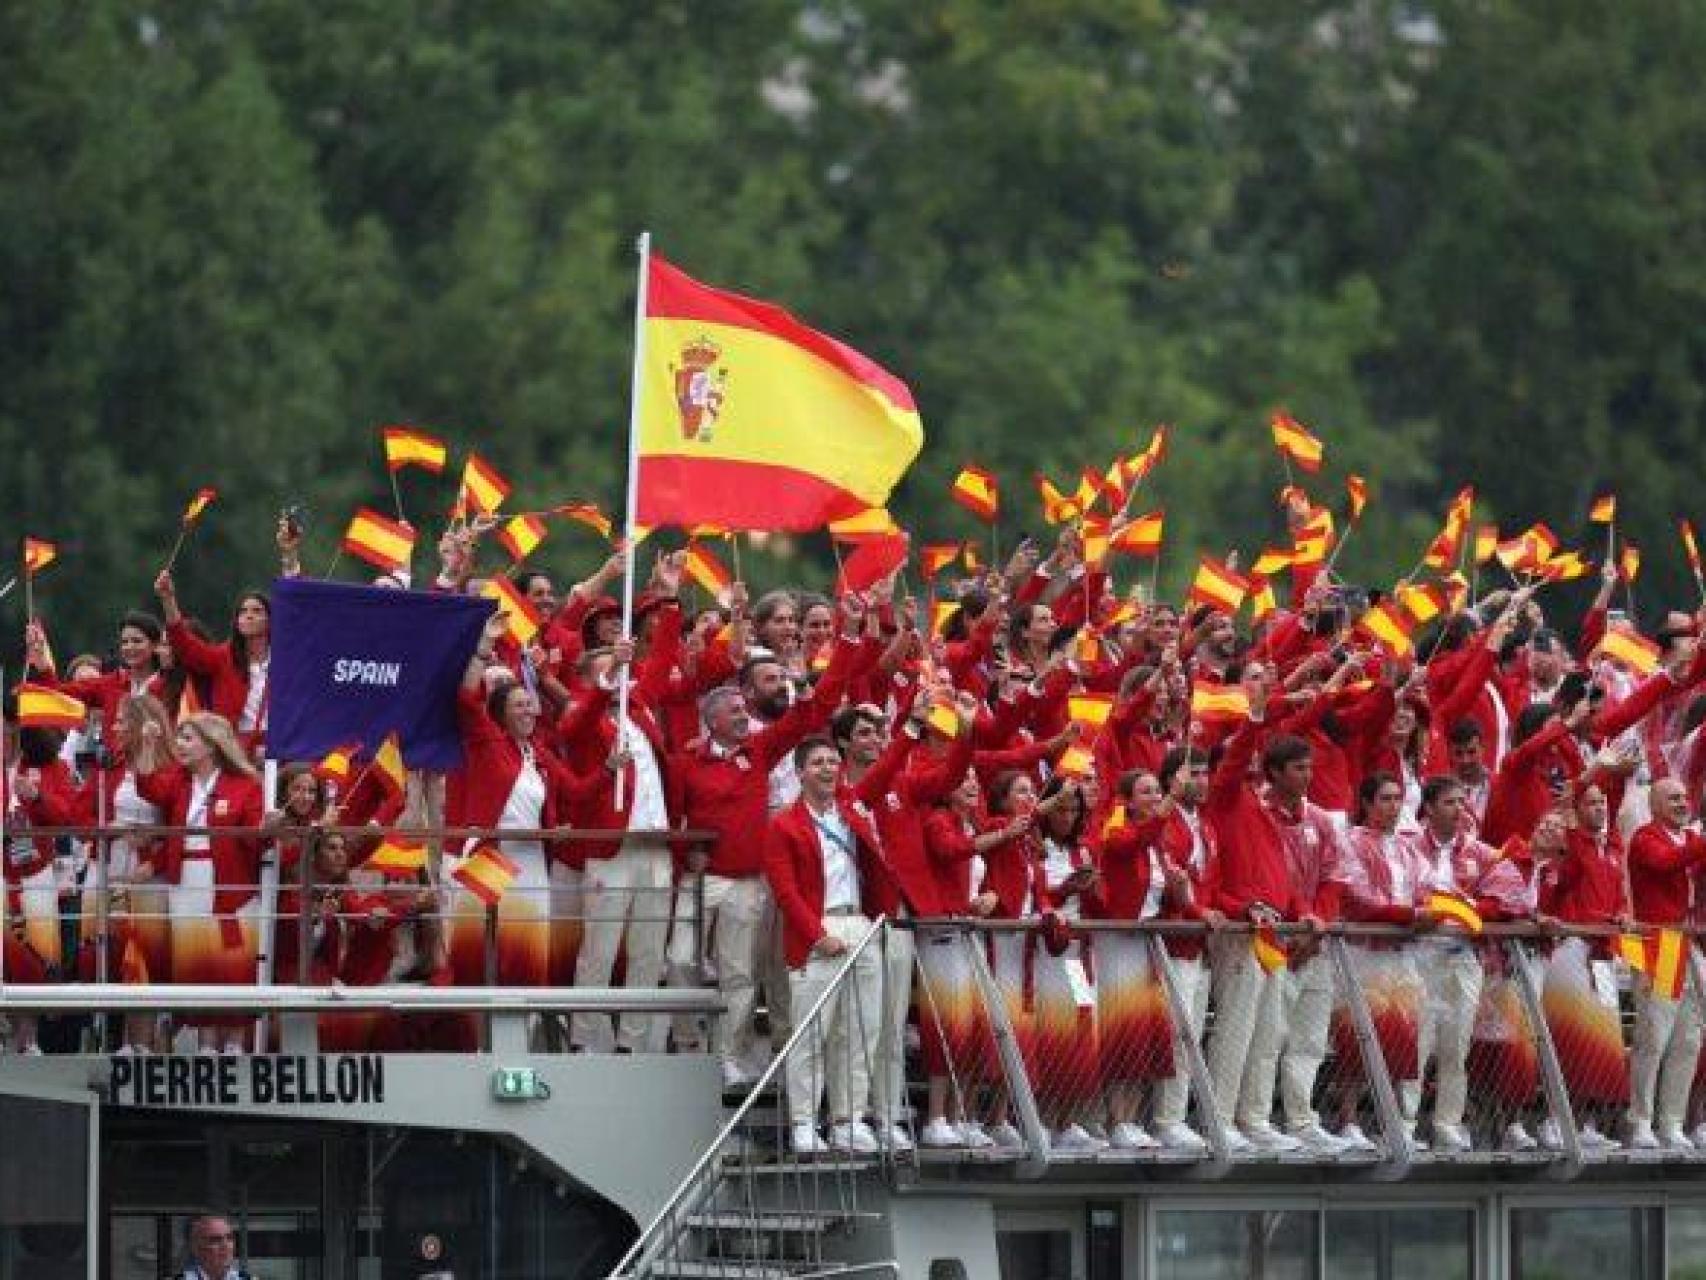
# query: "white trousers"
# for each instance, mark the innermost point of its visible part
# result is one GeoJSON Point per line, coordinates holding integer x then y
{"type": "Point", "coordinates": [839, 1052]}
{"type": "Point", "coordinates": [1308, 1018]}
{"type": "Point", "coordinates": [1243, 1052]}
{"type": "Point", "coordinates": [1192, 979]}
{"type": "Point", "coordinates": [627, 894]}
{"type": "Point", "coordinates": [735, 914]}
{"type": "Point", "coordinates": [896, 958]}
{"type": "Point", "coordinates": [1667, 1046]}
{"type": "Point", "coordinates": [1451, 982]}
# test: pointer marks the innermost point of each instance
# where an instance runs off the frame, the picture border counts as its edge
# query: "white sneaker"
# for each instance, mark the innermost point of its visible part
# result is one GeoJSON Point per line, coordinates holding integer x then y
{"type": "Point", "coordinates": [939, 1133]}
{"type": "Point", "coordinates": [1352, 1138]}
{"type": "Point", "coordinates": [1181, 1137]}
{"type": "Point", "coordinates": [1641, 1137]}
{"type": "Point", "coordinates": [125, 1051]}
{"type": "Point", "coordinates": [1075, 1137]}
{"type": "Point", "coordinates": [806, 1141]}
{"type": "Point", "coordinates": [1593, 1140]}
{"type": "Point", "coordinates": [1452, 1138]}
{"type": "Point", "coordinates": [1698, 1137]}
{"type": "Point", "coordinates": [855, 1137]}
{"type": "Point", "coordinates": [895, 1137]}
{"type": "Point", "coordinates": [1675, 1140]}
{"type": "Point", "coordinates": [1551, 1137]}
{"type": "Point", "coordinates": [736, 1076]}
{"type": "Point", "coordinates": [1264, 1137]}
{"type": "Point", "coordinates": [1313, 1138]}
{"type": "Point", "coordinates": [1131, 1137]}
{"type": "Point", "coordinates": [1007, 1137]}
{"type": "Point", "coordinates": [1517, 1138]}
{"type": "Point", "coordinates": [30, 1051]}
{"type": "Point", "coordinates": [1237, 1144]}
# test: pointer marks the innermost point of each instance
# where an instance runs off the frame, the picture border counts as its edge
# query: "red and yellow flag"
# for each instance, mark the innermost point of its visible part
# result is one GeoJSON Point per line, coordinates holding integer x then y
{"type": "Point", "coordinates": [1690, 546]}
{"type": "Point", "coordinates": [1423, 604]}
{"type": "Point", "coordinates": [874, 523]}
{"type": "Point", "coordinates": [709, 573]}
{"type": "Point", "coordinates": [521, 536]}
{"type": "Point", "coordinates": [1269, 950]}
{"type": "Point", "coordinates": [487, 874]}
{"type": "Point", "coordinates": [1443, 551]}
{"type": "Point", "coordinates": [943, 717]}
{"type": "Point", "coordinates": [975, 489]}
{"type": "Point", "coordinates": [872, 560]}
{"type": "Point", "coordinates": [483, 488]}
{"type": "Point", "coordinates": [202, 500]}
{"type": "Point", "coordinates": [523, 620]}
{"type": "Point", "coordinates": [42, 708]}
{"type": "Point", "coordinates": [1076, 762]}
{"type": "Point", "coordinates": [933, 557]}
{"type": "Point", "coordinates": [38, 554]}
{"type": "Point", "coordinates": [1604, 509]}
{"type": "Point", "coordinates": [1058, 507]}
{"type": "Point", "coordinates": [941, 612]}
{"type": "Point", "coordinates": [1213, 703]}
{"type": "Point", "coordinates": [1486, 542]}
{"type": "Point", "coordinates": [338, 764]}
{"type": "Point", "coordinates": [751, 420]}
{"type": "Point", "coordinates": [1624, 644]}
{"type": "Point", "coordinates": [1217, 586]}
{"type": "Point", "coordinates": [1389, 628]}
{"type": "Point", "coordinates": [384, 544]}
{"type": "Point", "coordinates": [1356, 488]}
{"type": "Point", "coordinates": [1090, 709]}
{"type": "Point", "coordinates": [1629, 562]}
{"type": "Point", "coordinates": [585, 513]}
{"type": "Point", "coordinates": [1143, 536]}
{"type": "Point", "coordinates": [397, 857]}
{"type": "Point", "coordinates": [1263, 601]}
{"type": "Point", "coordinates": [1295, 441]}
{"type": "Point", "coordinates": [1667, 963]}
{"type": "Point", "coordinates": [1456, 908]}
{"type": "Point", "coordinates": [406, 447]}
{"type": "Point", "coordinates": [388, 764]}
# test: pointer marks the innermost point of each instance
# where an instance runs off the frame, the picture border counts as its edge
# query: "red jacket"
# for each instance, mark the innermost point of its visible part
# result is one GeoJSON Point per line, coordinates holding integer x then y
{"type": "Point", "coordinates": [1013, 872]}
{"type": "Point", "coordinates": [1522, 793]}
{"type": "Point", "coordinates": [898, 791]}
{"type": "Point", "coordinates": [1585, 886]}
{"type": "Point", "coordinates": [57, 804]}
{"type": "Point", "coordinates": [949, 844]}
{"type": "Point", "coordinates": [104, 692]}
{"type": "Point", "coordinates": [234, 806]}
{"type": "Point", "coordinates": [1660, 862]}
{"type": "Point", "coordinates": [491, 762]}
{"type": "Point", "coordinates": [793, 863]}
{"type": "Point", "coordinates": [589, 735]}
{"type": "Point", "coordinates": [1253, 865]}
{"type": "Point", "coordinates": [227, 680]}
{"type": "Point", "coordinates": [1179, 849]}
{"type": "Point", "coordinates": [727, 792]}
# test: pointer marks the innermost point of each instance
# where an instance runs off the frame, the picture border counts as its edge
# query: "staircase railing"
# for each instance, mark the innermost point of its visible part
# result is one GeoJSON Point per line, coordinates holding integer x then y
{"type": "Point", "coordinates": [748, 1197]}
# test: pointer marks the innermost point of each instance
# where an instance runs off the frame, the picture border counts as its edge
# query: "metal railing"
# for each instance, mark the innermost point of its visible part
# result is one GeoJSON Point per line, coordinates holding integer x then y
{"type": "Point", "coordinates": [1366, 1046]}
{"type": "Point", "coordinates": [103, 943]}
{"type": "Point", "coordinates": [759, 1200]}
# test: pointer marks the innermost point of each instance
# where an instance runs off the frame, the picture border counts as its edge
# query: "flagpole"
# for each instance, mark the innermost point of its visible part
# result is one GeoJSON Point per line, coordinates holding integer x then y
{"type": "Point", "coordinates": [636, 385]}
{"type": "Point", "coordinates": [396, 494]}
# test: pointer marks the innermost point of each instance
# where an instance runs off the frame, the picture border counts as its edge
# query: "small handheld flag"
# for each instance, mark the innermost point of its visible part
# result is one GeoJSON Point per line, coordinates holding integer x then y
{"type": "Point", "coordinates": [385, 544]}
{"type": "Point", "coordinates": [976, 490]}
{"type": "Point", "coordinates": [406, 447]}
{"type": "Point", "coordinates": [487, 874]}
{"type": "Point", "coordinates": [1296, 442]}
{"type": "Point", "coordinates": [43, 708]}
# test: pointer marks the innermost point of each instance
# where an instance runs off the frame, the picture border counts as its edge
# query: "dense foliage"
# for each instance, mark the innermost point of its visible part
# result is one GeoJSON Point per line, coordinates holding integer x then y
{"type": "Point", "coordinates": [1463, 241]}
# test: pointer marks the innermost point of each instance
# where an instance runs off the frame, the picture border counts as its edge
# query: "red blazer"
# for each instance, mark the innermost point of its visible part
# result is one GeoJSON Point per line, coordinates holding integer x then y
{"type": "Point", "coordinates": [57, 804]}
{"type": "Point", "coordinates": [899, 790]}
{"type": "Point", "coordinates": [227, 680]}
{"type": "Point", "coordinates": [491, 763]}
{"type": "Point", "coordinates": [793, 863]}
{"type": "Point", "coordinates": [949, 847]}
{"type": "Point", "coordinates": [104, 691]}
{"type": "Point", "coordinates": [1586, 885]}
{"type": "Point", "coordinates": [1253, 865]}
{"type": "Point", "coordinates": [588, 730]}
{"type": "Point", "coordinates": [1660, 864]}
{"type": "Point", "coordinates": [1521, 795]}
{"type": "Point", "coordinates": [235, 806]}
{"type": "Point", "coordinates": [1010, 871]}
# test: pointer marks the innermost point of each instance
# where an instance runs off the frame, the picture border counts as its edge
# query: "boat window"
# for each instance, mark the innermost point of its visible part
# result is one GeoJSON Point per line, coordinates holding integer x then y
{"type": "Point", "coordinates": [1685, 1243]}
{"type": "Point", "coordinates": [1035, 1255]}
{"type": "Point", "coordinates": [1550, 1243]}
{"type": "Point", "coordinates": [1205, 1244]}
{"type": "Point", "coordinates": [44, 1200]}
{"type": "Point", "coordinates": [1402, 1244]}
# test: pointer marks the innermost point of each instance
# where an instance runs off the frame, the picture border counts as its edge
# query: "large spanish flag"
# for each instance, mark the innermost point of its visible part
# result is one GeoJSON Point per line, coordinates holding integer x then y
{"type": "Point", "coordinates": [750, 420]}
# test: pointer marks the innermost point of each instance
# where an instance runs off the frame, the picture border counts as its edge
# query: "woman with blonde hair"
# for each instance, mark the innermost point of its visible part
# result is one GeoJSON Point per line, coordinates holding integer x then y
{"type": "Point", "coordinates": [139, 946]}
{"type": "Point", "coordinates": [213, 874]}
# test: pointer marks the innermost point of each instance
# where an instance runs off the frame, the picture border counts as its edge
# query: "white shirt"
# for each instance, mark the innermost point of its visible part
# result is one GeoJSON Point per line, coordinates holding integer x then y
{"type": "Point", "coordinates": [525, 806]}
{"type": "Point", "coordinates": [783, 786]}
{"type": "Point", "coordinates": [201, 791]}
{"type": "Point", "coordinates": [647, 811]}
{"type": "Point", "coordinates": [1057, 866]}
{"type": "Point", "coordinates": [840, 868]}
{"type": "Point", "coordinates": [254, 702]}
{"type": "Point", "coordinates": [1402, 889]}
